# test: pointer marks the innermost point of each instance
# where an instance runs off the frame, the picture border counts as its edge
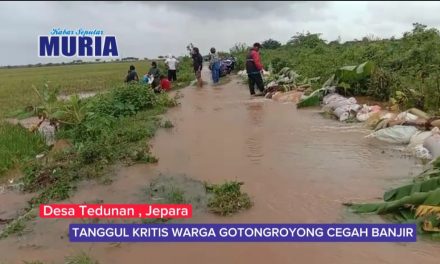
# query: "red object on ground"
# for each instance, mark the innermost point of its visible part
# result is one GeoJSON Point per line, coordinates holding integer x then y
{"type": "Point", "coordinates": [165, 84]}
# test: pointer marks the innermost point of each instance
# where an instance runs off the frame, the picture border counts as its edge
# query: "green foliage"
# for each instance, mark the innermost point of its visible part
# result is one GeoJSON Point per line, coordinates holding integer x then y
{"type": "Point", "coordinates": [400, 203]}
{"type": "Point", "coordinates": [48, 106]}
{"type": "Point", "coordinates": [239, 47]}
{"type": "Point", "coordinates": [306, 40]}
{"type": "Point", "coordinates": [410, 65]}
{"type": "Point", "coordinates": [379, 84]}
{"type": "Point", "coordinates": [312, 100]}
{"type": "Point", "coordinates": [279, 63]}
{"type": "Point", "coordinates": [17, 145]}
{"type": "Point", "coordinates": [270, 44]}
{"type": "Point", "coordinates": [112, 127]}
{"type": "Point", "coordinates": [355, 77]}
{"type": "Point", "coordinates": [228, 198]}
{"type": "Point", "coordinates": [124, 100]}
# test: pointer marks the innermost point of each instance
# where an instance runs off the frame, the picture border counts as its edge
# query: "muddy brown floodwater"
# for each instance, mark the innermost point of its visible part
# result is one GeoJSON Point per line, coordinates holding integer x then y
{"type": "Point", "coordinates": [297, 166]}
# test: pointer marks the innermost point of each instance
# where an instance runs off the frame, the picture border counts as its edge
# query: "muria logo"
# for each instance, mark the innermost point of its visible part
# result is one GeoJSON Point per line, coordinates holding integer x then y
{"type": "Point", "coordinates": [82, 46]}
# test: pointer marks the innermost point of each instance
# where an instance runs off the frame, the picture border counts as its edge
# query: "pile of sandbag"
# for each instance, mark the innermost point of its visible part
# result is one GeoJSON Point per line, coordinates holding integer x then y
{"type": "Point", "coordinates": [345, 108]}
{"type": "Point", "coordinates": [408, 127]}
{"type": "Point", "coordinates": [242, 74]}
{"type": "Point", "coordinates": [432, 143]}
{"type": "Point", "coordinates": [396, 134]}
{"type": "Point", "coordinates": [423, 144]}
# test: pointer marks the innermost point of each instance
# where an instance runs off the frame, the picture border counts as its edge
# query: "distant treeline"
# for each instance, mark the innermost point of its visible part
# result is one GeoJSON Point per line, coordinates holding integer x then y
{"type": "Point", "coordinates": [74, 62]}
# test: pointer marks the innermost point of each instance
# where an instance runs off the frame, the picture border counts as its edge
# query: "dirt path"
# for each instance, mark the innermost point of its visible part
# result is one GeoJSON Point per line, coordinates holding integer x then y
{"type": "Point", "coordinates": [297, 167]}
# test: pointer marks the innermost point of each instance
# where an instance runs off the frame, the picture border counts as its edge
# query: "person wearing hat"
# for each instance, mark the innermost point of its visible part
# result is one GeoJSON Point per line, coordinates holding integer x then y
{"type": "Point", "coordinates": [254, 67]}
{"type": "Point", "coordinates": [214, 65]}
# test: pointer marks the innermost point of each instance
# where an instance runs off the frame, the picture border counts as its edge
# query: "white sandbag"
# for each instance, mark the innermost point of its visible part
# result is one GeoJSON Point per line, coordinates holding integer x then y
{"type": "Point", "coordinates": [396, 134]}
{"type": "Point", "coordinates": [355, 107]}
{"type": "Point", "coordinates": [335, 100]}
{"type": "Point", "coordinates": [432, 143]}
{"type": "Point", "coordinates": [418, 138]}
{"type": "Point", "coordinates": [343, 112]}
{"type": "Point", "coordinates": [328, 98]}
{"type": "Point", "coordinates": [422, 153]}
{"type": "Point", "coordinates": [332, 97]}
{"type": "Point", "coordinates": [363, 113]}
{"type": "Point", "coordinates": [335, 104]}
{"type": "Point", "coordinates": [407, 116]}
{"type": "Point", "coordinates": [48, 133]}
{"type": "Point", "coordinates": [272, 84]}
{"type": "Point", "coordinates": [344, 116]}
{"type": "Point", "coordinates": [362, 117]}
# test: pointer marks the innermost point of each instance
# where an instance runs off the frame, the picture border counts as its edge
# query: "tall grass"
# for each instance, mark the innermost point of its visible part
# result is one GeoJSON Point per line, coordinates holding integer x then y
{"type": "Point", "coordinates": [17, 145]}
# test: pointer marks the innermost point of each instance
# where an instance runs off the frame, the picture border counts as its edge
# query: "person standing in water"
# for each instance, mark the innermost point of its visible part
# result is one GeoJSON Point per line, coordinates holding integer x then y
{"type": "Point", "coordinates": [197, 65]}
{"type": "Point", "coordinates": [171, 63]}
{"type": "Point", "coordinates": [214, 66]}
{"type": "Point", "coordinates": [254, 69]}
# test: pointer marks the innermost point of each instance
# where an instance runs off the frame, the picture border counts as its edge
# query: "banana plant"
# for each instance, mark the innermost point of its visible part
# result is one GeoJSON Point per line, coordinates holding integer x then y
{"type": "Point", "coordinates": [49, 107]}
{"type": "Point", "coordinates": [74, 111]}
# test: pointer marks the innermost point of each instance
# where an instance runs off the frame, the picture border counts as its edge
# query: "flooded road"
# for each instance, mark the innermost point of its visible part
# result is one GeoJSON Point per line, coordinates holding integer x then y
{"type": "Point", "coordinates": [297, 167]}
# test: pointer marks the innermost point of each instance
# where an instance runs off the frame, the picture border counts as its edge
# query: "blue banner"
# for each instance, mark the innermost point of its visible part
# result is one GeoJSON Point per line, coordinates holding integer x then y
{"type": "Point", "coordinates": [242, 233]}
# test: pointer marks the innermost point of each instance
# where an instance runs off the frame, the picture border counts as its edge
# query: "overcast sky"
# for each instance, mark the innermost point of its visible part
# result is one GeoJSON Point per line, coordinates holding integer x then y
{"type": "Point", "coordinates": [149, 29]}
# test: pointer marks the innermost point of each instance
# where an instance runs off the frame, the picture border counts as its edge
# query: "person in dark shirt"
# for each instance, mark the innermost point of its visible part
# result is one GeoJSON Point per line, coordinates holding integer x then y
{"type": "Point", "coordinates": [154, 72]}
{"type": "Point", "coordinates": [132, 75]}
{"type": "Point", "coordinates": [197, 65]}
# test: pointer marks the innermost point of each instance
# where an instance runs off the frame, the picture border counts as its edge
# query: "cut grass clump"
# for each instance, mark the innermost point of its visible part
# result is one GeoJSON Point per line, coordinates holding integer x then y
{"type": "Point", "coordinates": [223, 199]}
{"type": "Point", "coordinates": [167, 124]}
{"type": "Point", "coordinates": [81, 258]}
{"type": "Point", "coordinates": [18, 145]}
{"type": "Point", "coordinates": [228, 198]}
{"type": "Point", "coordinates": [175, 189]}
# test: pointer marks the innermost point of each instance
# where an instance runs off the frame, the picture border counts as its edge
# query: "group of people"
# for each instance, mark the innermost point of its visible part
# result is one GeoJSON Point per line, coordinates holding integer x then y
{"type": "Point", "coordinates": [159, 83]}
{"type": "Point", "coordinates": [214, 65]}
{"type": "Point", "coordinates": [254, 68]}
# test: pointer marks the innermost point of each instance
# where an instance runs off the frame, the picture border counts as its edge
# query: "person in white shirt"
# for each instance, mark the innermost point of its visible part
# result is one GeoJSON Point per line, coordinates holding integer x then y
{"type": "Point", "coordinates": [171, 63]}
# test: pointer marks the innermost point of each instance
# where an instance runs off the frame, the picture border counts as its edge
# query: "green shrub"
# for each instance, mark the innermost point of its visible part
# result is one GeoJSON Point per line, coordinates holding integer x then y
{"type": "Point", "coordinates": [228, 198]}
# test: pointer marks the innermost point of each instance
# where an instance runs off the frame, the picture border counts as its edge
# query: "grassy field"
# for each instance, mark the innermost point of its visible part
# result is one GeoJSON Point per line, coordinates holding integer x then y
{"type": "Point", "coordinates": [17, 145]}
{"type": "Point", "coordinates": [16, 83]}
